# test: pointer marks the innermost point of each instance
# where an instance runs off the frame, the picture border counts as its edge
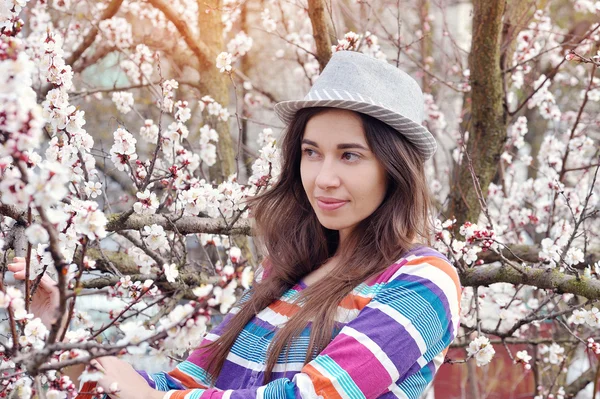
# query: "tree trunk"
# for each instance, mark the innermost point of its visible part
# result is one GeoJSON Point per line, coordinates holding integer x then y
{"type": "Point", "coordinates": [487, 127]}
{"type": "Point", "coordinates": [318, 18]}
{"type": "Point", "coordinates": [211, 32]}
{"type": "Point", "coordinates": [426, 44]}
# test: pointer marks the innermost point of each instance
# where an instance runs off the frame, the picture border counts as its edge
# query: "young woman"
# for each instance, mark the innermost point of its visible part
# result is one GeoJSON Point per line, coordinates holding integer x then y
{"type": "Point", "coordinates": [352, 302]}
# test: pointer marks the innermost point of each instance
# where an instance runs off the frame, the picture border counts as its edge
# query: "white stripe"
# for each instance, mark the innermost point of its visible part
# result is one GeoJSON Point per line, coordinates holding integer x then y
{"type": "Point", "coordinates": [325, 104]}
{"type": "Point", "coordinates": [403, 321]}
{"type": "Point", "coordinates": [439, 278]}
{"type": "Point", "coordinates": [211, 336]}
{"type": "Point", "coordinates": [260, 392]}
{"type": "Point", "coordinates": [305, 386]}
{"type": "Point", "coordinates": [317, 94]}
{"type": "Point", "coordinates": [280, 368]}
{"type": "Point", "coordinates": [270, 316]}
{"type": "Point", "coordinates": [337, 94]}
{"type": "Point", "coordinates": [378, 352]}
{"type": "Point", "coordinates": [362, 107]}
{"type": "Point", "coordinates": [349, 95]}
{"type": "Point", "coordinates": [383, 112]}
{"type": "Point", "coordinates": [372, 101]}
{"type": "Point", "coordinates": [343, 103]}
{"type": "Point", "coordinates": [333, 380]}
{"type": "Point", "coordinates": [361, 98]}
{"type": "Point", "coordinates": [345, 316]}
{"type": "Point", "coordinates": [327, 94]}
{"type": "Point", "coordinates": [438, 360]}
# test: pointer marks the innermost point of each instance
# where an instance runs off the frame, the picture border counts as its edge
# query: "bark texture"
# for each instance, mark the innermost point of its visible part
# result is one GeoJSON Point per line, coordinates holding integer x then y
{"type": "Point", "coordinates": [211, 32]}
{"type": "Point", "coordinates": [318, 18]}
{"type": "Point", "coordinates": [212, 82]}
{"type": "Point", "coordinates": [487, 128]}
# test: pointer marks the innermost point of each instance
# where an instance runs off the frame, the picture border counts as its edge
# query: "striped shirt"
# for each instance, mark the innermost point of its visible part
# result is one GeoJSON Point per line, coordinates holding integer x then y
{"type": "Point", "coordinates": [394, 334]}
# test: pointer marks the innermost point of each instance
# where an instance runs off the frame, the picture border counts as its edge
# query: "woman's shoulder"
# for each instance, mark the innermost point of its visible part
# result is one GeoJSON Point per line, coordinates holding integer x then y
{"type": "Point", "coordinates": [421, 262]}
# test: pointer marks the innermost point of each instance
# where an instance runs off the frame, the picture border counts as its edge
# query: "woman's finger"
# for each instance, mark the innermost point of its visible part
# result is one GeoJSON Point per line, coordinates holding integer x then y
{"type": "Point", "coordinates": [97, 365]}
{"type": "Point", "coordinates": [13, 267]}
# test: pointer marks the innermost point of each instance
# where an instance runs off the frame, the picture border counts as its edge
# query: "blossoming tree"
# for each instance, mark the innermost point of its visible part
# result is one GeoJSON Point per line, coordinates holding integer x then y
{"type": "Point", "coordinates": [132, 132]}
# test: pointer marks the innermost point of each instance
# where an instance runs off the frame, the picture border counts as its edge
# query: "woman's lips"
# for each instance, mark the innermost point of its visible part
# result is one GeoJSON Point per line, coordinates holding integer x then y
{"type": "Point", "coordinates": [330, 205]}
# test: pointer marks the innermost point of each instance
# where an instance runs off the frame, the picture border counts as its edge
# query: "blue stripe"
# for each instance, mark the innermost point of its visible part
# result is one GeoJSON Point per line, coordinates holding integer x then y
{"type": "Point", "coordinates": [340, 375]}
{"type": "Point", "coordinates": [420, 305]}
{"type": "Point", "coordinates": [195, 371]}
{"type": "Point", "coordinates": [196, 393]}
{"type": "Point", "coordinates": [414, 385]}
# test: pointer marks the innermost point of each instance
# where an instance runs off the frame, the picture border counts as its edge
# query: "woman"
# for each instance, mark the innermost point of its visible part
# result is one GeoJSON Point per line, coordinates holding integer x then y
{"type": "Point", "coordinates": [351, 303]}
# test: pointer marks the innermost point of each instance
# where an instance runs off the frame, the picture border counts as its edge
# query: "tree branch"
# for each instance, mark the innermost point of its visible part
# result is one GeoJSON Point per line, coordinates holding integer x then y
{"type": "Point", "coordinates": [529, 253]}
{"type": "Point", "coordinates": [318, 19]}
{"type": "Point", "coordinates": [109, 12]}
{"type": "Point", "coordinates": [203, 53]}
{"type": "Point", "coordinates": [549, 279]}
{"type": "Point", "coordinates": [185, 225]}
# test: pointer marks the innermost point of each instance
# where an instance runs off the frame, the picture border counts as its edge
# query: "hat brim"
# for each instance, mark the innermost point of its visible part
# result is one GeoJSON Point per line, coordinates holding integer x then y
{"type": "Point", "coordinates": [414, 132]}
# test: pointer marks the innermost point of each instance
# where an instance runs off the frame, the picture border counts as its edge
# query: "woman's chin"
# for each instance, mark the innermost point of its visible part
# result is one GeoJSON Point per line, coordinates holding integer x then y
{"type": "Point", "coordinates": [332, 224]}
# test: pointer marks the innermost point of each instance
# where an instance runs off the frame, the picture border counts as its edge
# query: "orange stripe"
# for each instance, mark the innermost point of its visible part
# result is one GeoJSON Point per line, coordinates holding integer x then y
{"type": "Point", "coordinates": [322, 384]}
{"type": "Point", "coordinates": [186, 380]}
{"type": "Point", "coordinates": [179, 394]}
{"type": "Point", "coordinates": [284, 308]}
{"type": "Point", "coordinates": [352, 301]}
{"type": "Point", "coordinates": [443, 266]}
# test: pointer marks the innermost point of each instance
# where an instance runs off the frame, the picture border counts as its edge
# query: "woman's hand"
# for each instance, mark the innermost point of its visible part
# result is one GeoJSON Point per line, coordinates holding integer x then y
{"type": "Point", "coordinates": [45, 300]}
{"type": "Point", "coordinates": [129, 384]}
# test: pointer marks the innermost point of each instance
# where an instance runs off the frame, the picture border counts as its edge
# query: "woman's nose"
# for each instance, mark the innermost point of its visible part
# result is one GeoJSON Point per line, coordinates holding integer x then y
{"type": "Point", "coordinates": [327, 177]}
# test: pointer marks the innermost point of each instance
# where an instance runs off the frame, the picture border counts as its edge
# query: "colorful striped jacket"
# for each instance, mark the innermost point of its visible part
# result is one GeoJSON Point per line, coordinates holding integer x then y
{"type": "Point", "coordinates": [395, 334]}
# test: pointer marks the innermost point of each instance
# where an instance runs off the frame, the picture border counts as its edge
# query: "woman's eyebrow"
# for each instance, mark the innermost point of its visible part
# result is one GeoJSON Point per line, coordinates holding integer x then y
{"type": "Point", "coordinates": [346, 146]}
{"type": "Point", "coordinates": [343, 146]}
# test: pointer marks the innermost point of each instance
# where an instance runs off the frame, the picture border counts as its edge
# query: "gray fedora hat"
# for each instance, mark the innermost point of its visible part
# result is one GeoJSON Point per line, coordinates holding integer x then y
{"type": "Point", "coordinates": [361, 83]}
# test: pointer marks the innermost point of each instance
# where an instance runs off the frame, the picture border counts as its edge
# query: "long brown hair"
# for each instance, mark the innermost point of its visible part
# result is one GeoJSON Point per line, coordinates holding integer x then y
{"type": "Point", "coordinates": [296, 243]}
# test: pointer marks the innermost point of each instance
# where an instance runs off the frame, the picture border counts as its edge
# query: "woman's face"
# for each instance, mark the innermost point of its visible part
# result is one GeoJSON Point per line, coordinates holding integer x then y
{"type": "Point", "coordinates": [343, 180]}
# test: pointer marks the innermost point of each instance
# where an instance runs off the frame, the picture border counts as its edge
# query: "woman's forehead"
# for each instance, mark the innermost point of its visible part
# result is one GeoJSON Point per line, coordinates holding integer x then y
{"type": "Point", "coordinates": [335, 126]}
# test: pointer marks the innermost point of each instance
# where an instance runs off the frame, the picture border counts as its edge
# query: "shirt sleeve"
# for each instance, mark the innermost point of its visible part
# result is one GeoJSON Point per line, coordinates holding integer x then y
{"type": "Point", "coordinates": [187, 374]}
{"type": "Point", "coordinates": [394, 345]}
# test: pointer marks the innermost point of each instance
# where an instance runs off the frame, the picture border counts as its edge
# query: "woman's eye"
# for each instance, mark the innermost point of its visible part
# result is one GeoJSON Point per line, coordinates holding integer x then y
{"type": "Point", "coordinates": [350, 156]}
{"type": "Point", "coordinates": [309, 152]}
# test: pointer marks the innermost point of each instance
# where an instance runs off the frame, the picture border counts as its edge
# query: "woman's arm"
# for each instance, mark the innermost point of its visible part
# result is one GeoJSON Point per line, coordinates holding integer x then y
{"type": "Point", "coordinates": [394, 345]}
{"type": "Point", "coordinates": [137, 383]}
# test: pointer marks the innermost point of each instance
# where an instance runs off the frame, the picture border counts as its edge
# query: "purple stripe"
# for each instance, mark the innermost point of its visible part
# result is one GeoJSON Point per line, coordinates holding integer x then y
{"type": "Point", "coordinates": [385, 334]}
{"type": "Point", "coordinates": [431, 368]}
{"type": "Point", "coordinates": [147, 378]}
{"type": "Point", "coordinates": [234, 376]}
{"type": "Point", "coordinates": [249, 392]}
{"type": "Point", "coordinates": [218, 330]}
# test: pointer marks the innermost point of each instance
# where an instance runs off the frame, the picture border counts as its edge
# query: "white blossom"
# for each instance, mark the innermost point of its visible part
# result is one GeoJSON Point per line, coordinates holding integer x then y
{"type": "Point", "coordinates": [171, 272]}
{"type": "Point", "coordinates": [482, 350]}
{"type": "Point", "coordinates": [147, 204]}
{"type": "Point", "coordinates": [224, 62]}
{"type": "Point", "coordinates": [155, 237]}
{"type": "Point", "coordinates": [123, 100]}
{"type": "Point", "coordinates": [36, 234]}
